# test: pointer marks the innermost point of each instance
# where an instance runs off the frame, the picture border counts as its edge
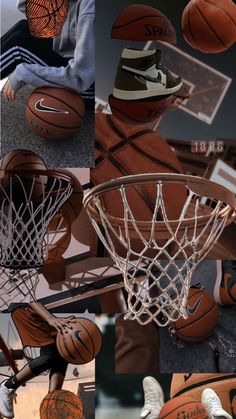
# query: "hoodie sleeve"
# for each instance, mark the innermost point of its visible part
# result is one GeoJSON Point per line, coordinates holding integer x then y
{"type": "Point", "coordinates": [78, 74]}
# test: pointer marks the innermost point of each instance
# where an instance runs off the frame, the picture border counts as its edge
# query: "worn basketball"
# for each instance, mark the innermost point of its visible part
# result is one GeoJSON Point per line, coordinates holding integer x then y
{"type": "Point", "coordinates": [23, 161]}
{"type": "Point", "coordinates": [139, 22]}
{"type": "Point", "coordinates": [81, 344]}
{"type": "Point", "coordinates": [60, 404]}
{"type": "Point", "coordinates": [55, 113]}
{"type": "Point", "coordinates": [209, 26]}
{"type": "Point", "coordinates": [139, 111]}
{"type": "Point", "coordinates": [71, 209]}
{"type": "Point", "coordinates": [45, 17]}
{"type": "Point", "coordinates": [192, 385]}
{"type": "Point", "coordinates": [203, 317]}
{"type": "Point", "coordinates": [184, 407]}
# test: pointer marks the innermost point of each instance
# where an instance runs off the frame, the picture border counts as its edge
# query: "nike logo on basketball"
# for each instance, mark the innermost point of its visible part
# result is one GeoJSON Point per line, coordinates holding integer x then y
{"type": "Point", "coordinates": [77, 335]}
{"type": "Point", "coordinates": [43, 108]}
{"type": "Point", "coordinates": [192, 310]}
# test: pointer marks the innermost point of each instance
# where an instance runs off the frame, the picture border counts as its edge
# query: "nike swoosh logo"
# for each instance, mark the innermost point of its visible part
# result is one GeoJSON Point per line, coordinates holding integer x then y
{"type": "Point", "coordinates": [144, 79]}
{"type": "Point", "coordinates": [43, 108]}
{"type": "Point", "coordinates": [77, 335]}
{"type": "Point", "coordinates": [192, 309]}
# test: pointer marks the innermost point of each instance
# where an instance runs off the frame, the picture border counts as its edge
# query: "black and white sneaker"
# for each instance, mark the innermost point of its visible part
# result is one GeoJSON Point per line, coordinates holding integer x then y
{"type": "Point", "coordinates": [140, 74]}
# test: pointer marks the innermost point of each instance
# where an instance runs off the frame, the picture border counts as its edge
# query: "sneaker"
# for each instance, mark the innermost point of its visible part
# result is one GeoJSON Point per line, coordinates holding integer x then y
{"type": "Point", "coordinates": [213, 405]}
{"type": "Point", "coordinates": [6, 401]}
{"type": "Point", "coordinates": [153, 399]}
{"type": "Point", "coordinates": [140, 75]}
{"type": "Point", "coordinates": [225, 285]}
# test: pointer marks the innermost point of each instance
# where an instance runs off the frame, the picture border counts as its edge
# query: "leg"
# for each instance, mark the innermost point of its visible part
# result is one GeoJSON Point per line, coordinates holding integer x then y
{"type": "Point", "coordinates": [58, 372]}
{"type": "Point", "coordinates": [48, 355]}
{"type": "Point", "coordinates": [34, 367]}
{"type": "Point", "coordinates": [18, 46]}
{"type": "Point", "coordinates": [56, 381]}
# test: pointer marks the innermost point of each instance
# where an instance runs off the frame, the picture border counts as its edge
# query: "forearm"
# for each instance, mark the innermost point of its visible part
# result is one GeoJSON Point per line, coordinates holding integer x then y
{"type": "Point", "coordinates": [41, 311]}
{"type": "Point", "coordinates": [37, 75]}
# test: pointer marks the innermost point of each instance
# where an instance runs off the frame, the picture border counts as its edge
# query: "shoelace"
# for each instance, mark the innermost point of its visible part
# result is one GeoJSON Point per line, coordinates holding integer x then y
{"type": "Point", "coordinates": [150, 397]}
{"type": "Point", "coordinates": [212, 403]}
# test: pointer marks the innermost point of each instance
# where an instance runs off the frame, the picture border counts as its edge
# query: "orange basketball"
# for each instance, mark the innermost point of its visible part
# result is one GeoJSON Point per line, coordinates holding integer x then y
{"type": "Point", "coordinates": [140, 22]}
{"type": "Point", "coordinates": [183, 407]}
{"type": "Point", "coordinates": [210, 26]}
{"type": "Point", "coordinates": [59, 237]}
{"type": "Point", "coordinates": [21, 161]}
{"type": "Point", "coordinates": [203, 317]}
{"type": "Point", "coordinates": [192, 385]}
{"type": "Point", "coordinates": [55, 113]}
{"type": "Point", "coordinates": [82, 343]}
{"type": "Point", "coordinates": [61, 404]}
{"type": "Point", "coordinates": [71, 209]}
{"type": "Point", "coordinates": [45, 17]}
{"type": "Point", "coordinates": [141, 110]}
{"type": "Point", "coordinates": [125, 149]}
{"type": "Point", "coordinates": [122, 149]}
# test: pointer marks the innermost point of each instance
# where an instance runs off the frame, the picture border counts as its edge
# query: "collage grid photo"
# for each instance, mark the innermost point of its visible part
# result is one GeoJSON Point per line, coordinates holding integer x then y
{"type": "Point", "coordinates": [118, 209]}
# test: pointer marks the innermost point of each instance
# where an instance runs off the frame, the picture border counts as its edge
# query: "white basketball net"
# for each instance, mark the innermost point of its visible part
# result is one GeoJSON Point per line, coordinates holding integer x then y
{"type": "Point", "coordinates": [24, 223]}
{"type": "Point", "coordinates": [158, 285]}
{"type": "Point", "coordinates": [17, 286]}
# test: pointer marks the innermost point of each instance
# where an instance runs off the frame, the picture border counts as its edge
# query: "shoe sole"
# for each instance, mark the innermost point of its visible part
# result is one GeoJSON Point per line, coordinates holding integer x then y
{"type": "Point", "coordinates": [216, 292]}
{"type": "Point", "coordinates": [142, 94]}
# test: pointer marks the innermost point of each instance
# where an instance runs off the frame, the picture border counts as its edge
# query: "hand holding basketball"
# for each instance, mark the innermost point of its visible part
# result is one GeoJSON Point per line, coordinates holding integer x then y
{"type": "Point", "coordinates": [62, 325]}
{"type": "Point", "coordinates": [9, 93]}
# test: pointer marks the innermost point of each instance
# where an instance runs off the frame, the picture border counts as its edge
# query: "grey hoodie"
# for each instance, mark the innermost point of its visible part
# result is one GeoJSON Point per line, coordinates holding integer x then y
{"type": "Point", "coordinates": [75, 42]}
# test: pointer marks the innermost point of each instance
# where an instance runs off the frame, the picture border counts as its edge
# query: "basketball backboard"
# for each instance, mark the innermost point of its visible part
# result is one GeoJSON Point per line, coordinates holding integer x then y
{"type": "Point", "coordinates": [205, 85]}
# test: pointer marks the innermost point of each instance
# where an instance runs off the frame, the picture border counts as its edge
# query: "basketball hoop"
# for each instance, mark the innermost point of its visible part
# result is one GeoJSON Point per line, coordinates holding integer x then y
{"type": "Point", "coordinates": [157, 277]}
{"type": "Point", "coordinates": [28, 202]}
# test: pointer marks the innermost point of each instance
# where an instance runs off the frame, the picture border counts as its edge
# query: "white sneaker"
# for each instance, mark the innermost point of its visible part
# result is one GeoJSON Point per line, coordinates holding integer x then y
{"type": "Point", "coordinates": [213, 405]}
{"type": "Point", "coordinates": [153, 398]}
{"type": "Point", "coordinates": [6, 401]}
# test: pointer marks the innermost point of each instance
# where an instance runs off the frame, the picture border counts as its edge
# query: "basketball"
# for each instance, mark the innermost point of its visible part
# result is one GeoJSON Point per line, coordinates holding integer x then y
{"type": "Point", "coordinates": [184, 407]}
{"type": "Point", "coordinates": [125, 149]}
{"type": "Point", "coordinates": [82, 343]}
{"type": "Point", "coordinates": [203, 317]}
{"type": "Point", "coordinates": [55, 113]}
{"type": "Point", "coordinates": [23, 160]}
{"type": "Point", "coordinates": [209, 26]}
{"type": "Point", "coordinates": [61, 404]}
{"type": "Point", "coordinates": [71, 209]}
{"type": "Point", "coordinates": [143, 23]}
{"type": "Point", "coordinates": [46, 17]}
{"type": "Point", "coordinates": [59, 237]}
{"type": "Point", "coordinates": [192, 385]}
{"type": "Point", "coordinates": [139, 111]}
